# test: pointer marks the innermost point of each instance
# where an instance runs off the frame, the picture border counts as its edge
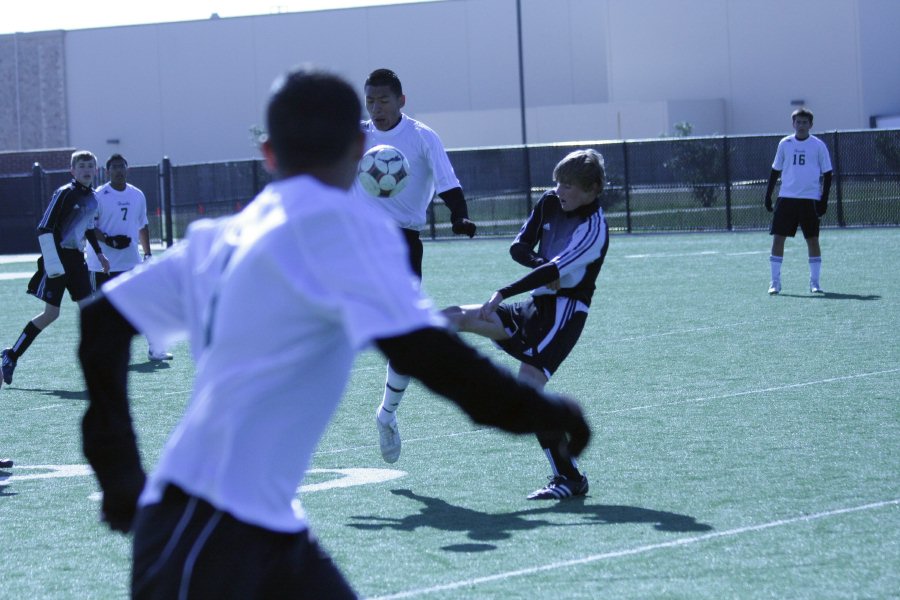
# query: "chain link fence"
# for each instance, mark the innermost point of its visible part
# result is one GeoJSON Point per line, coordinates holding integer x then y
{"type": "Point", "coordinates": [670, 184]}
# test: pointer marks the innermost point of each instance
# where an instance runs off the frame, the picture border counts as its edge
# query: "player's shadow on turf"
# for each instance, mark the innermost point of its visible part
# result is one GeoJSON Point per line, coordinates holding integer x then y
{"type": "Point", "coordinates": [833, 296]}
{"type": "Point", "coordinates": [479, 526]}
{"type": "Point", "coordinates": [61, 394]}
{"type": "Point", "coordinates": [148, 367]}
{"type": "Point", "coordinates": [617, 514]}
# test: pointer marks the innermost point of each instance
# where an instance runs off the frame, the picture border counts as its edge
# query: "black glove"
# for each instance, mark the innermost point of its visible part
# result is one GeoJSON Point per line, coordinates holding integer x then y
{"type": "Point", "coordinates": [118, 242]}
{"type": "Point", "coordinates": [464, 227]}
{"type": "Point", "coordinates": [118, 510]}
{"type": "Point", "coordinates": [564, 414]}
{"type": "Point", "coordinates": [822, 207]}
{"type": "Point", "coordinates": [769, 203]}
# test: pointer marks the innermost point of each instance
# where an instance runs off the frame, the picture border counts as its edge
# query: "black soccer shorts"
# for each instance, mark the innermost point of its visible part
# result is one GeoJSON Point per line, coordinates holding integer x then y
{"type": "Point", "coordinates": [791, 212]}
{"type": "Point", "coordinates": [75, 279]}
{"type": "Point", "coordinates": [185, 548]}
{"type": "Point", "coordinates": [543, 330]}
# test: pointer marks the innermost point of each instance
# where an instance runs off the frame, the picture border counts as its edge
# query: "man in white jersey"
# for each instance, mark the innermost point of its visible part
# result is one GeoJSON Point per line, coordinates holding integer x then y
{"type": "Point", "coordinates": [430, 171]}
{"type": "Point", "coordinates": [801, 160]}
{"type": "Point", "coordinates": [563, 242]}
{"type": "Point", "coordinates": [276, 302]}
{"type": "Point", "coordinates": [121, 223]}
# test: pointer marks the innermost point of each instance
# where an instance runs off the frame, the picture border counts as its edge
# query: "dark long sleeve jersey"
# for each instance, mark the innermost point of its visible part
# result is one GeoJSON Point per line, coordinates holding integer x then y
{"type": "Point", "coordinates": [569, 246]}
{"type": "Point", "coordinates": [70, 215]}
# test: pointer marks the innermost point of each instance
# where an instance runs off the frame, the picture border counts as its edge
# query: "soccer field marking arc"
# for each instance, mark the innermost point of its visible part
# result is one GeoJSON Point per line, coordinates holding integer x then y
{"type": "Point", "coordinates": [757, 391]}
{"type": "Point", "coordinates": [637, 550]}
{"type": "Point", "coordinates": [683, 331]}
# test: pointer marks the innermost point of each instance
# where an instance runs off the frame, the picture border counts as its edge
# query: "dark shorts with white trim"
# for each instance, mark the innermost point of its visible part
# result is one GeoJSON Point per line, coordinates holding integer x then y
{"type": "Point", "coordinates": [543, 330]}
{"type": "Point", "coordinates": [75, 279]}
{"type": "Point", "coordinates": [186, 548]}
{"type": "Point", "coordinates": [791, 212]}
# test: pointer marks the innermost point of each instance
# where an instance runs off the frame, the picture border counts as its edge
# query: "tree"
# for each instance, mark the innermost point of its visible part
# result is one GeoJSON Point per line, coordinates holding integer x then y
{"type": "Point", "coordinates": [699, 163]}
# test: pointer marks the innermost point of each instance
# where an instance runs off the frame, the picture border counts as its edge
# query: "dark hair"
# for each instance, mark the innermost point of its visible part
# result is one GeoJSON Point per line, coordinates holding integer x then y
{"type": "Point", "coordinates": [115, 156]}
{"type": "Point", "coordinates": [312, 117]}
{"type": "Point", "coordinates": [802, 112]}
{"type": "Point", "coordinates": [385, 77]}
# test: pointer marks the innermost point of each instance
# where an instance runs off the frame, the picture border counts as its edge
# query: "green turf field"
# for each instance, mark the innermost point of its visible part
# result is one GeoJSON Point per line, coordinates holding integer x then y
{"type": "Point", "coordinates": [745, 446]}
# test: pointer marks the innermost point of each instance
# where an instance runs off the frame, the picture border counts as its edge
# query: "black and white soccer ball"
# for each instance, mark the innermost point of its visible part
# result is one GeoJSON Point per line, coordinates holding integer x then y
{"type": "Point", "coordinates": [383, 171]}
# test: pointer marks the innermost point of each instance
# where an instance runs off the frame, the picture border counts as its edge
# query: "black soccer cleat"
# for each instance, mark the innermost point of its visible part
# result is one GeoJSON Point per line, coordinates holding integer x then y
{"type": "Point", "coordinates": [560, 488]}
{"type": "Point", "coordinates": [6, 463]}
{"type": "Point", "coordinates": [7, 365]}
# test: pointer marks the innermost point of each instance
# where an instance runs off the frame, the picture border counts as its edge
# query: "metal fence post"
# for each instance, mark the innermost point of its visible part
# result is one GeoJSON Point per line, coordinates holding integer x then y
{"type": "Point", "coordinates": [725, 162]}
{"type": "Point", "coordinates": [165, 197]}
{"type": "Point", "coordinates": [626, 186]}
{"type": "Point", "coordinates": [37, 191]}
{"type": "Point", "coordinates": [838, 181]}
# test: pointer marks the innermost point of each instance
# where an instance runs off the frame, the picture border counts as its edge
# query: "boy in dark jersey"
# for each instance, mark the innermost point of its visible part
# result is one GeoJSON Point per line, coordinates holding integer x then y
{"type": "Point", "coordinates": [563, 242]}
{"type": "Point", "coordinates": [66, 224]}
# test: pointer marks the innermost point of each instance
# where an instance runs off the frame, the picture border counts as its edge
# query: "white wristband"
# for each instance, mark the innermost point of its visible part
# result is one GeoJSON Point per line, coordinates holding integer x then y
{"type": "Point", "coordinates": [52, 265]}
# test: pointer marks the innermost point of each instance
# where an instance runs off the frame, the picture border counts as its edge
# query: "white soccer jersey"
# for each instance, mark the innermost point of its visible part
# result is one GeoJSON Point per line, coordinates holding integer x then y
{"type": "Point", "coordinates": [276, 302]}
{"type": "Point", "coordinates": [801, 163]}
{"type": "Point", "coordinates": [119, 213]}
{"type": "Point", "coordinates": [429, 166]}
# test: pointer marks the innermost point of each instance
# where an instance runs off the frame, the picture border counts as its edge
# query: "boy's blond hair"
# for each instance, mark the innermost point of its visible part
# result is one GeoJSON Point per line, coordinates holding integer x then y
{"type": "Point", "coordinates": [582, 168]}
{"type": "Point", "coordinates": [82, 155]}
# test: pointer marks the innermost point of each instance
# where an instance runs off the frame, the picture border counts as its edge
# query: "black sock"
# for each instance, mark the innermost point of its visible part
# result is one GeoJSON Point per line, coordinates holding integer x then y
{"type": "Point", "coordinates": [30, 332]}
{"type": "Point", "coordinates": [551, 443]}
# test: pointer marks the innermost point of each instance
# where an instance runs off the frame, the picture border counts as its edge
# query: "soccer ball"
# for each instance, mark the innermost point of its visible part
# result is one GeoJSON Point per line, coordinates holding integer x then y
{"type": "Point", "coordinates": [383, 171]}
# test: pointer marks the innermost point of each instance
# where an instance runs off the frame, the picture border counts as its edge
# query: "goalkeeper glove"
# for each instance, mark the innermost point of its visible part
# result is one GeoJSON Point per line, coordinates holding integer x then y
{"type": "Point", "coordinates": [464, 227]}
{"type": "Point", "coordinates": [768, 203]}
{"type": "Point", "coordinates": [822, 207]}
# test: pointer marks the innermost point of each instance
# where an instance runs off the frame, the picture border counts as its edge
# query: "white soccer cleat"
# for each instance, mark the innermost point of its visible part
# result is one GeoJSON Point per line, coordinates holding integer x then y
{"type": "Point", "coordinates": [774, 288]}
{"type": "Point", "coordinates": [159, 356]}
{"type": "Point", "coordinates": [389, 439]}
{"type": "Point", "coordinates": [815, 288]}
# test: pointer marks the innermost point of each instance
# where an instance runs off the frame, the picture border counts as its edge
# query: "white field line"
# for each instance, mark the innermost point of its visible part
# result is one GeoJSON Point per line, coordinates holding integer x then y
{"type": "Point", "coordinates": [637, 550]}
{"type": "Point", "coordinates": [757, 391]}
{"type": "Point", "coordinates": [20, 275]}
{"type": "Point", "coordinates": [683, 331]}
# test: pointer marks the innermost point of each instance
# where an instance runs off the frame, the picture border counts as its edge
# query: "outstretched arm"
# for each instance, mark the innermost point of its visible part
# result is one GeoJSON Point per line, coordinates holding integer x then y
{"type": "Point", "coordinates": [488, 394]}
{"type": "Point", "coordinates": [108, 439]}
{"type": "Point", "coordinates": [459, 211]}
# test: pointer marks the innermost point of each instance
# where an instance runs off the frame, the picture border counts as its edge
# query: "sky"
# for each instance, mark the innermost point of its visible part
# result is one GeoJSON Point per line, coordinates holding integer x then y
{"type": "Point", "coordinates": [45, 15]}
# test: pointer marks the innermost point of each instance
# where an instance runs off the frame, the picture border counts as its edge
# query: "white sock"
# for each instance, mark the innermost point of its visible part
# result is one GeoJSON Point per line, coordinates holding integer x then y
{"type": "Point", "coordinates": [394, 387]}
{"type": "Point", "coordinates": [815, 269]}
{"type": "Point", "coordinates": [775, 264]}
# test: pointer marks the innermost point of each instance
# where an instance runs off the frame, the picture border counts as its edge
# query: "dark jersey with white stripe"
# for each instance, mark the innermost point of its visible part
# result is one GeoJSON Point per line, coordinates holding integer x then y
{"type": "Point", "coordinates": [575, 241]}
{"type": "Point", "coordinates": [71, 212]}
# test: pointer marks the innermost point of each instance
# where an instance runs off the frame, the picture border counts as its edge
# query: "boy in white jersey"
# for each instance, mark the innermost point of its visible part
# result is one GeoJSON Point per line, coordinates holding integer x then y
{"type": "Point", "coordinates": [571, 236]}
{"type": "Point", "coordinates": [121, 223]}
{"type": "Point", "coordinates": [430, 172]}
{"type": "Point", "coordinates": [800, 160]}
{"type": "Point", "coordinates": [276, 301]}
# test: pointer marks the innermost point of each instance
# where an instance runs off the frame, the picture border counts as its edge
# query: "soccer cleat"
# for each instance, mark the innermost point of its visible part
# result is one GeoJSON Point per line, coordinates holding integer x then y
{"type": "Point", "coordinates": [815, 288]}
{"type": "Point", "coordinates": [389, 439]}
{"type": "Point", "coordinates": [6, 463]}
{"type": "Point", "coordinates": [774, 288]}
{"type": "Point", "coordinates": [7, 365]}
{"type": "Point", "coordinates": [560, 488]}
{"type": "Point", "coordinates": [160, 356]}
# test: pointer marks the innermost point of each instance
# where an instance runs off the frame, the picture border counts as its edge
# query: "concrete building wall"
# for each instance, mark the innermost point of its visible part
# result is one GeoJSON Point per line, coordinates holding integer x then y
{"type": "Point", "coordinates": [593, 69]}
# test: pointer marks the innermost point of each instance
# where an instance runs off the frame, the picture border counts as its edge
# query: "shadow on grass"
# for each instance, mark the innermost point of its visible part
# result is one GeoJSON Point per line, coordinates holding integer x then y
{"type": "Point", "coordinates": [148, 367]}
{"type": "Point", "coordinates": [833, 296]}
{"type": "Point", "coordinates": [61, 394]}
{"type": "Point", "coordinates": [486, 527]}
